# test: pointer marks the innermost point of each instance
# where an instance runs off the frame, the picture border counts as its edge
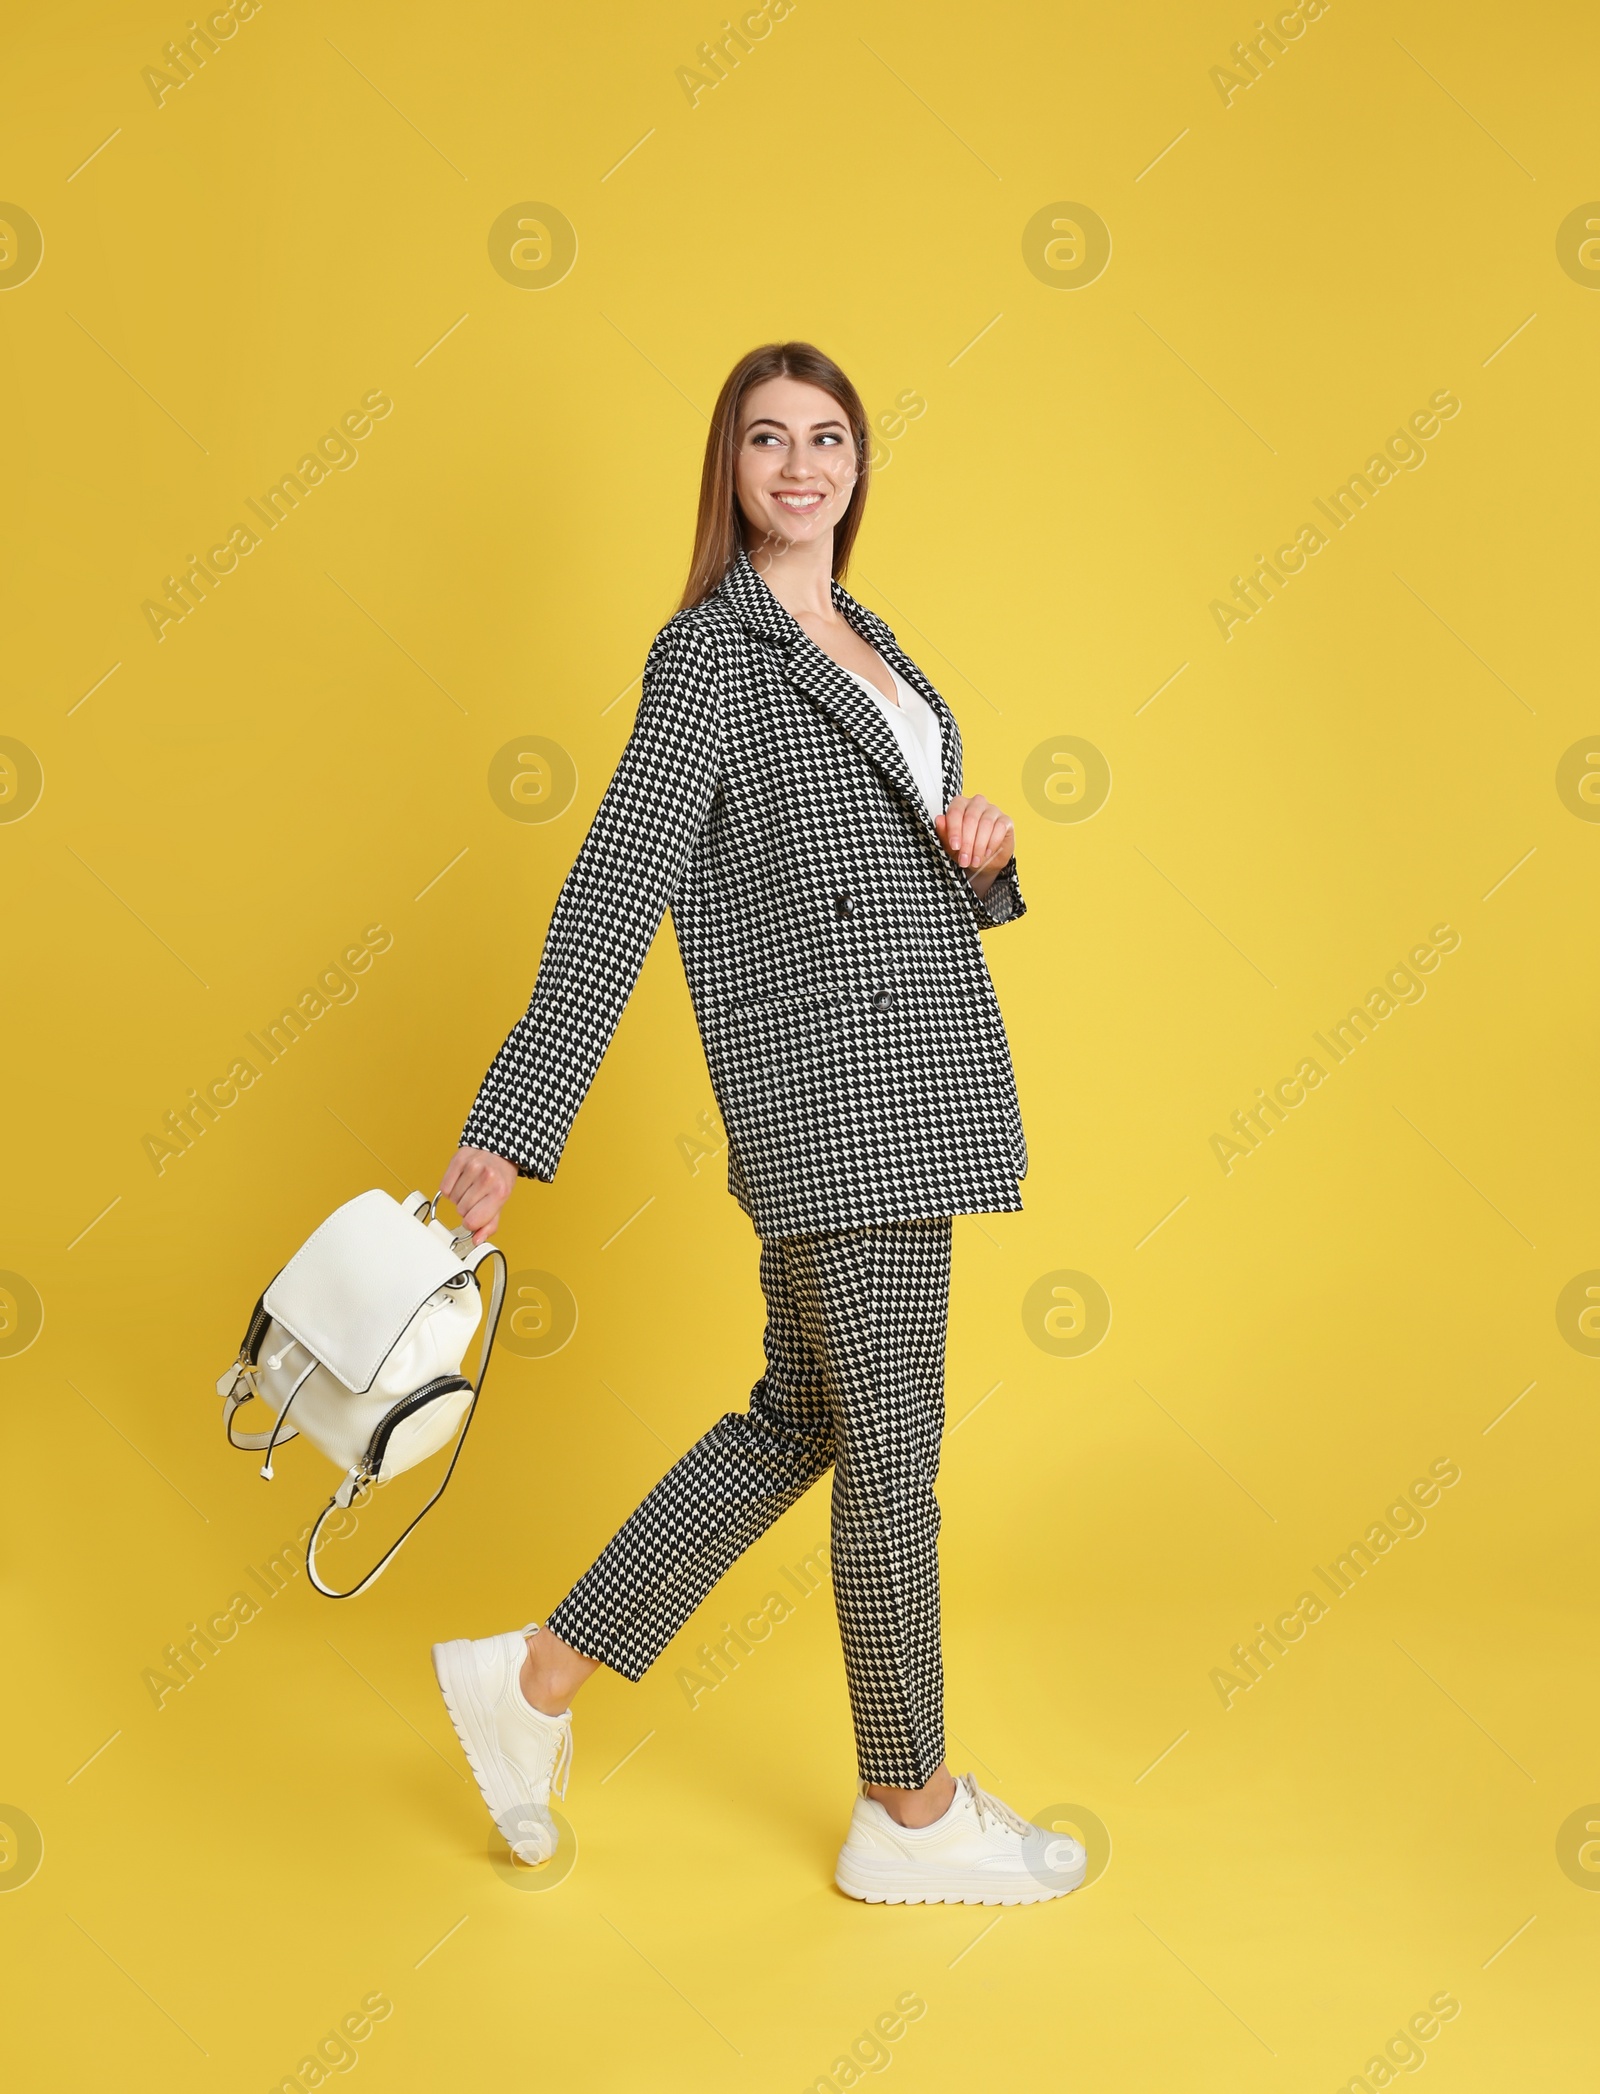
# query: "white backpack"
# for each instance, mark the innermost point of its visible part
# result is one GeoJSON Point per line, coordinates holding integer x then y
{"type": "Point", "coordinates": [361, 1338]}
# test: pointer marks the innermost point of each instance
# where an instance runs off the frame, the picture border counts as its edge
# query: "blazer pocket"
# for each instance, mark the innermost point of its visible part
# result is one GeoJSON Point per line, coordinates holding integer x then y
{"type": "Point", "coordinates": [783, 1000]}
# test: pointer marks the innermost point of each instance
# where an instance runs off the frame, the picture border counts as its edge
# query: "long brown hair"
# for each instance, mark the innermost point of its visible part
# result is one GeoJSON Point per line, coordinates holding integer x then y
{"type": "Point", "coordinates": [720, 523]}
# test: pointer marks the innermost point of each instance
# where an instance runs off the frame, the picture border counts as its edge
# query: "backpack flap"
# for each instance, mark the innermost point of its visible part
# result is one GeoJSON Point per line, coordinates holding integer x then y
{"type": "Point", "coordinates": [352, 1288]}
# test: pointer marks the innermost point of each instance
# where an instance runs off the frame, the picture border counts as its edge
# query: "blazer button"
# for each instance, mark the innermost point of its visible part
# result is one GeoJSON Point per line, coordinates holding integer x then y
{"type": "Point", "coordinates": [843, 905]}
{"type": "Point", "coordinates": [882, 1000]}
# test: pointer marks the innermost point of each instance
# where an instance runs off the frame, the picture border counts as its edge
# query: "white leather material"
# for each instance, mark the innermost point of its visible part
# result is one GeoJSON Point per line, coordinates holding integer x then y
{"type": "Point", "coordinates": [981, 1852]}
{"type": "Point", "coordinates": [517, 1753]}
{"type": "Point", "coordinates": [341, 1423]}
{"type": "Point", "coordinates": [359, 1343]}
{"type": "Point", "coordinates": [349, 1292]}
{"type": "Point", "coordinates": [424, 1432]}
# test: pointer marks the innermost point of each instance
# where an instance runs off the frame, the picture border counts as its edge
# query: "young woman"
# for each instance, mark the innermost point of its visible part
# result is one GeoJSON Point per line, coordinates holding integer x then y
{"type": "Point", "coordinates": [792, 791]}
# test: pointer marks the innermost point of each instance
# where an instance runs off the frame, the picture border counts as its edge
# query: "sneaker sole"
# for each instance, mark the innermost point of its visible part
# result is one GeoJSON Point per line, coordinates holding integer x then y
{"type": "Point", "coordinates": [457, 1677]}
{"type": "Point", "coordinates": [890, 1887]}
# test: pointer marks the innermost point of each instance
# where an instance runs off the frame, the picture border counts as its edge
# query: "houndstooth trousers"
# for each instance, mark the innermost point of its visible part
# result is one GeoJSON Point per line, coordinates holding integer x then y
{"type": "Point", "coordinates": [854, 1379]}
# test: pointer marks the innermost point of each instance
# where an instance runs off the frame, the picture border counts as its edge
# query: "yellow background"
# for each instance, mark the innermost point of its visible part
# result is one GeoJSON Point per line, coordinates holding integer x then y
{"type": "Point", "coordinates": [306, 755]}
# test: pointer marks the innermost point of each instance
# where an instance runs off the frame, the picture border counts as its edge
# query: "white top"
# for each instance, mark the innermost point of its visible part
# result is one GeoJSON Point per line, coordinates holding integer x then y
{"type": "Point", "coordinates": [915, 725]}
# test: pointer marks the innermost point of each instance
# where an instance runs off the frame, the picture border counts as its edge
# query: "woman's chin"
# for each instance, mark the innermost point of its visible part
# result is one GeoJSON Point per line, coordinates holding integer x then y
{"type": "Point", "coordinates": [799, 529]}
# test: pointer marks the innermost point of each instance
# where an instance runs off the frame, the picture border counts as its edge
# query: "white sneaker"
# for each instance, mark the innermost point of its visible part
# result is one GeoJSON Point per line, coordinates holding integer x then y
{"type": "Point", "coordinates": [515, 1750]}
{"type": "Point", "coordinates": [979, 1853]}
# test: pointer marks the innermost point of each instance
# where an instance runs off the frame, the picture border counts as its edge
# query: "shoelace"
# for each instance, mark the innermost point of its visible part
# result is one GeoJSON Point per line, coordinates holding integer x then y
{"type": "Point", "coordinates": [563, 1765]}
{"type": "Point", "coordinates": [990, 1808]}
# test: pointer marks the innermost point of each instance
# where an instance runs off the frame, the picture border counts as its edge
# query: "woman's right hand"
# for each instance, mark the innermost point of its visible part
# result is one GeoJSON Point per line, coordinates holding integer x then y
{"type": "Point", "coordinates": [478, 1183]}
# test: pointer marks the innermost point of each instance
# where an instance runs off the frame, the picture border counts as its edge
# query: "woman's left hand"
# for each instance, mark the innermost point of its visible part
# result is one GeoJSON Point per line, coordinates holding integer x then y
{"type": "Point", "coordinates": [979, 837]}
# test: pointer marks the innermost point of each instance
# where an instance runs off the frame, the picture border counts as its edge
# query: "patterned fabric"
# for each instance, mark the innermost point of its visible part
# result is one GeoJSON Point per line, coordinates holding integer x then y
{"type": "Point", "coordinates": [854, 1378]}
{"type": "Point", "coordinates": [915, 726]}
{"type": "Point", "coordinates": [855, 1046]}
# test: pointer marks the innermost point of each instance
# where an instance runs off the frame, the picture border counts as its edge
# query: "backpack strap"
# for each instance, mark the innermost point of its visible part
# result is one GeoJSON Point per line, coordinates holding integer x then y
{"type": "Point", "coordinates": [358, 1481]}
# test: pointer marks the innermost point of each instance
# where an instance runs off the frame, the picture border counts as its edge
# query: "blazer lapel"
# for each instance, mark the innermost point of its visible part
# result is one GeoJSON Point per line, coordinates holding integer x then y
{"type": "Point", "coordinates": [873, 630]}
{"type": "Point", "coordinates": [836, 693]}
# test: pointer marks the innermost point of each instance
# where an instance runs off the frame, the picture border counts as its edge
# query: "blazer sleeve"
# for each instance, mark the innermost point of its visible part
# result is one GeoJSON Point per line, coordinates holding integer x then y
{"type": "Point", "coordinates": [1003, 903]}
{"type": "Point", "coordinates": [609, 909]}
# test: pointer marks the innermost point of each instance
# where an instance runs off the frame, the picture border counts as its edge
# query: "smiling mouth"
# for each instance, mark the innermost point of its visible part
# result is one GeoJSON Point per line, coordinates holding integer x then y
{"type": "Point", "coordinates": [800, 504]}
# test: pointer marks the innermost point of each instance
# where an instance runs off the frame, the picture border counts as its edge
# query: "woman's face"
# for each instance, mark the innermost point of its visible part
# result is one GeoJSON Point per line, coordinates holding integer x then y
{"type": "Point", "coordinates": [796, 464]}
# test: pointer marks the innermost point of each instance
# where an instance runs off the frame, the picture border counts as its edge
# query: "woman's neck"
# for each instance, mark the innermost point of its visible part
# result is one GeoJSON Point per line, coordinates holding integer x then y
{"type": "Point", "coordinates": [799, 576]}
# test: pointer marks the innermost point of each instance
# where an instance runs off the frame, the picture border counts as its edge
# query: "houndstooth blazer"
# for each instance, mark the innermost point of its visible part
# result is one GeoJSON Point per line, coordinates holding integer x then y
{"type": "Point", "coordinates": [831, 946]}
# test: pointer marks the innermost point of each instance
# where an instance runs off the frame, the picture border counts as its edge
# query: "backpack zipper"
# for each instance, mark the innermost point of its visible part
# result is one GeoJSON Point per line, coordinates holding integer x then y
{"type": "Point", "coordinates": [408, 1406]}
